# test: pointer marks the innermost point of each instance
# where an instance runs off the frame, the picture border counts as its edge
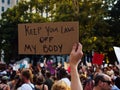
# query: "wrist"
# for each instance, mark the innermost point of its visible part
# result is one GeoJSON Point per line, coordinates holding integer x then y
{"type": "Point", "coordinates": [73, 67]}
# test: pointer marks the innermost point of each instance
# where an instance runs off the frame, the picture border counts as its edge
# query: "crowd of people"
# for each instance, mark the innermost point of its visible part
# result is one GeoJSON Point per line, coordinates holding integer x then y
{"type": "Point", "coordinates": [75, 77]}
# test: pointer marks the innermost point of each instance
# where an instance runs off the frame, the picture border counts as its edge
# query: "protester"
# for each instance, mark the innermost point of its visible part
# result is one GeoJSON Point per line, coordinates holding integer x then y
{"type": "Point", "coordinates": [114, 87]}
{"type": "Point", "coordinates": [60, 85]}
{"type": "Point", "coordinates": [13, 83]}
{"type": "Point", "coordinates": [3, 84]}
{"type": "Point", "coordinates": [48, 80]}
{"type": "Point", "coordinates": [64, 76]}
{"type": "Point", "coordinates": [26, 77]}
{"type": "Point", "coordinates": [102, 82]}
{"type": "Point", "coordinates": [11, 73]}
{"type": "Point", "coordinates": [40, 84]}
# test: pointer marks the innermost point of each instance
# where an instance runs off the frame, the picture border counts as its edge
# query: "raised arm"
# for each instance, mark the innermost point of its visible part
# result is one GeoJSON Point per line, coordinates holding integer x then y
{"type": "Point", "coordinates": [75, 58]}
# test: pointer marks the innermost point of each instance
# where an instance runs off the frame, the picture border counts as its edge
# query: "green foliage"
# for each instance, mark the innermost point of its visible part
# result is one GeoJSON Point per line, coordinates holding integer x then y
{"type": "Point", "coordinates": [98, 21]}
{"type": "Point", "coordinates": [9, 27]}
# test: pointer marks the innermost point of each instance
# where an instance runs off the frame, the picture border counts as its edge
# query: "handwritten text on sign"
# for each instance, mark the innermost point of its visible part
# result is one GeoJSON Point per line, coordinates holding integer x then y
{"type": "Point", "coordinates": [47, 38]}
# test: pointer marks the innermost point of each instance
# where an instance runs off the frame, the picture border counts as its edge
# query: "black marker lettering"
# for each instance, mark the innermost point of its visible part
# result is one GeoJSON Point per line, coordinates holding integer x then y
{"type": "Point", "coordinates": [51, 30]}
{"type": "Point", "coordinates": [47, 28]}
{"type": "Point", "coordinates": [67, 29]}
{"type": "Point", "coordinates": [50, 39]}
{"type": "Point", "coordinates": [27, 32]}
{"type": "Point", "coordinates": [45, 49]}
{"type": "Point", "coordinates": [60, 48]}
{"type": "Point", "coordinates": [52, 48]}
{"type": "Point", "coordinates": [32, 31]}
{"type": "Point", "coordinates": [46, 39]}
{"type": "Point", "coordinates": [31, 48]}
{"type": "Point", "coordinates": [55, 48]}
{"type": "Point", "coordinates": [34, 48]}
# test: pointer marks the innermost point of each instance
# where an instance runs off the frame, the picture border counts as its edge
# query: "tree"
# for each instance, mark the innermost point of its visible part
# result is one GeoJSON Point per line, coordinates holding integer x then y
{"type": "Point", "coordinates": [9, 26]}
{"type": "Point", "coordinates": [0, 40]}
{"type": "Point", "coordinates": [114, 22]}
{"type": "Point", "coordinates": [90, 15]}
{"type": "Point", "coordinates": [95, 23]}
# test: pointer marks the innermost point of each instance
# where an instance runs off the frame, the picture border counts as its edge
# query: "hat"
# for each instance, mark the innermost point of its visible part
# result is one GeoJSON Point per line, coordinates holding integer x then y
{"type": "Point", "coordinates": [5, 78]}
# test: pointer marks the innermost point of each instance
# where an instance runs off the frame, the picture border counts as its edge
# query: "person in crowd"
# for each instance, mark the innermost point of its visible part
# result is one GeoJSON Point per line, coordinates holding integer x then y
{"type": "Point", "coordinates": [49, 65]}
{"type": "Point", "coordinates": [114, 87]}
{"type": "Point", "coordinates": [40, 83]}
{"type": "Point", "coordinates": [13, 82]}
{"type": "Point", "coordinates": [117, 82]}
{"type": "Point", "coordinates": [64, 76]}
{"type": "Point", "coordinates": [48, 80]}
{"type": "Point", "coordinates": [3, 84]}
{"type": "Point", "coordinates": [60, 85]}
{"type": "Point", "coordinates": [117, 78]}
{"type": "Point", "coordinates": [26, 77]}
{"type": "Point", "coordinates": [89, 84]}
{"type": "Point", "coordinates": [102, 82]}
{"type": "Point", "coordinates": [11, 73]}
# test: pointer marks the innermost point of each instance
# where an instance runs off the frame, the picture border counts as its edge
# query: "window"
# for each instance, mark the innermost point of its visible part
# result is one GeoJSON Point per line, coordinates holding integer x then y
{"type": "Point", "coordinates": [3, 1]}
{"type": "Point", "coordinates": [3, 9]}
{"type": "Point", "coordinates": [8, 2]}
{"type": "Point", "coordinates": [16, 1]}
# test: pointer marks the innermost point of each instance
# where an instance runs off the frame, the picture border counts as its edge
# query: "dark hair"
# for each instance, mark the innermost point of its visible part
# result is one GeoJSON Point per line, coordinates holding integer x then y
{"type": "Point", "coordinates": [48, 74]}
{"type": "Point", "coordinates": [62, 73]}
{"type": "Point", "coordinates": [116, 72]}
{"type": "Point", "coordinates": [26, 74]}
{"type": "Point", "coordinates": [40, 80]}
{"type": "Point", "coordinates": [98, 78]}
{"type": "Point", "coordinates": [3, 81]}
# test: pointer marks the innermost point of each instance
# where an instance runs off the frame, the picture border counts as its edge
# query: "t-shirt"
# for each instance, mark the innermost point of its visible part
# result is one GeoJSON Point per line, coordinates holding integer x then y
{"type": "Point", "coordinates": [27, 86]}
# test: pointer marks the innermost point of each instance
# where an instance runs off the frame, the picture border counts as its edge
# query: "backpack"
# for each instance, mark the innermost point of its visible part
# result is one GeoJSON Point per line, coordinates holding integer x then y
{"type": "Point", "coordinates": [33, 88]}
{"type": "Point", "coordinates": [40, 89]}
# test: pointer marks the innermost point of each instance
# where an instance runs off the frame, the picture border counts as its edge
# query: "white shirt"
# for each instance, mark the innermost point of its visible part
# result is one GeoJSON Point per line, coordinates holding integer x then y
{"type": "Point", "coordinates": [67, 81]}
{"type": "Point", "coordinates": [28, 86]}
{"type": "Point", "coordinates": [114, 87]}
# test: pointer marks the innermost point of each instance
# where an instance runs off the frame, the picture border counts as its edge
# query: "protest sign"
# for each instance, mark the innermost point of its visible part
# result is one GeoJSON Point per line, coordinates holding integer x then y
{"type": "Point", "coordinates": [47, 38]}
{"type": "Point", "coordinates": [97, 58]}
{"type": "Point", "coordinates": [117, 52]}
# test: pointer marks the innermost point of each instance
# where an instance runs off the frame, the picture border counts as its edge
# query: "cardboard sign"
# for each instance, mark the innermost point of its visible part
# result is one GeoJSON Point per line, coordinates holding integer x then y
{"type": "Point", "coordinates": [47, 38]}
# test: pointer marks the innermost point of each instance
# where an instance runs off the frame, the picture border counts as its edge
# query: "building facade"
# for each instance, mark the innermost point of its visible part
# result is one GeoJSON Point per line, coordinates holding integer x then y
{"type": "Point", "coordinates": [5, 4]}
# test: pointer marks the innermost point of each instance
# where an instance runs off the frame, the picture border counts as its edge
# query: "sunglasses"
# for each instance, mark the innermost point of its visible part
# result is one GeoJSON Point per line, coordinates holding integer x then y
{"type": "Point", "coordinates": [108, 82]}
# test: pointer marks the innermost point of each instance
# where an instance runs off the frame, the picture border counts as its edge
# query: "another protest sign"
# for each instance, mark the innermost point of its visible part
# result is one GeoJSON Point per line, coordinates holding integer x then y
{"type": "Point", "coordinates": [97, 58]}
{"type": "Point", "coordinates": [117, 52]}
